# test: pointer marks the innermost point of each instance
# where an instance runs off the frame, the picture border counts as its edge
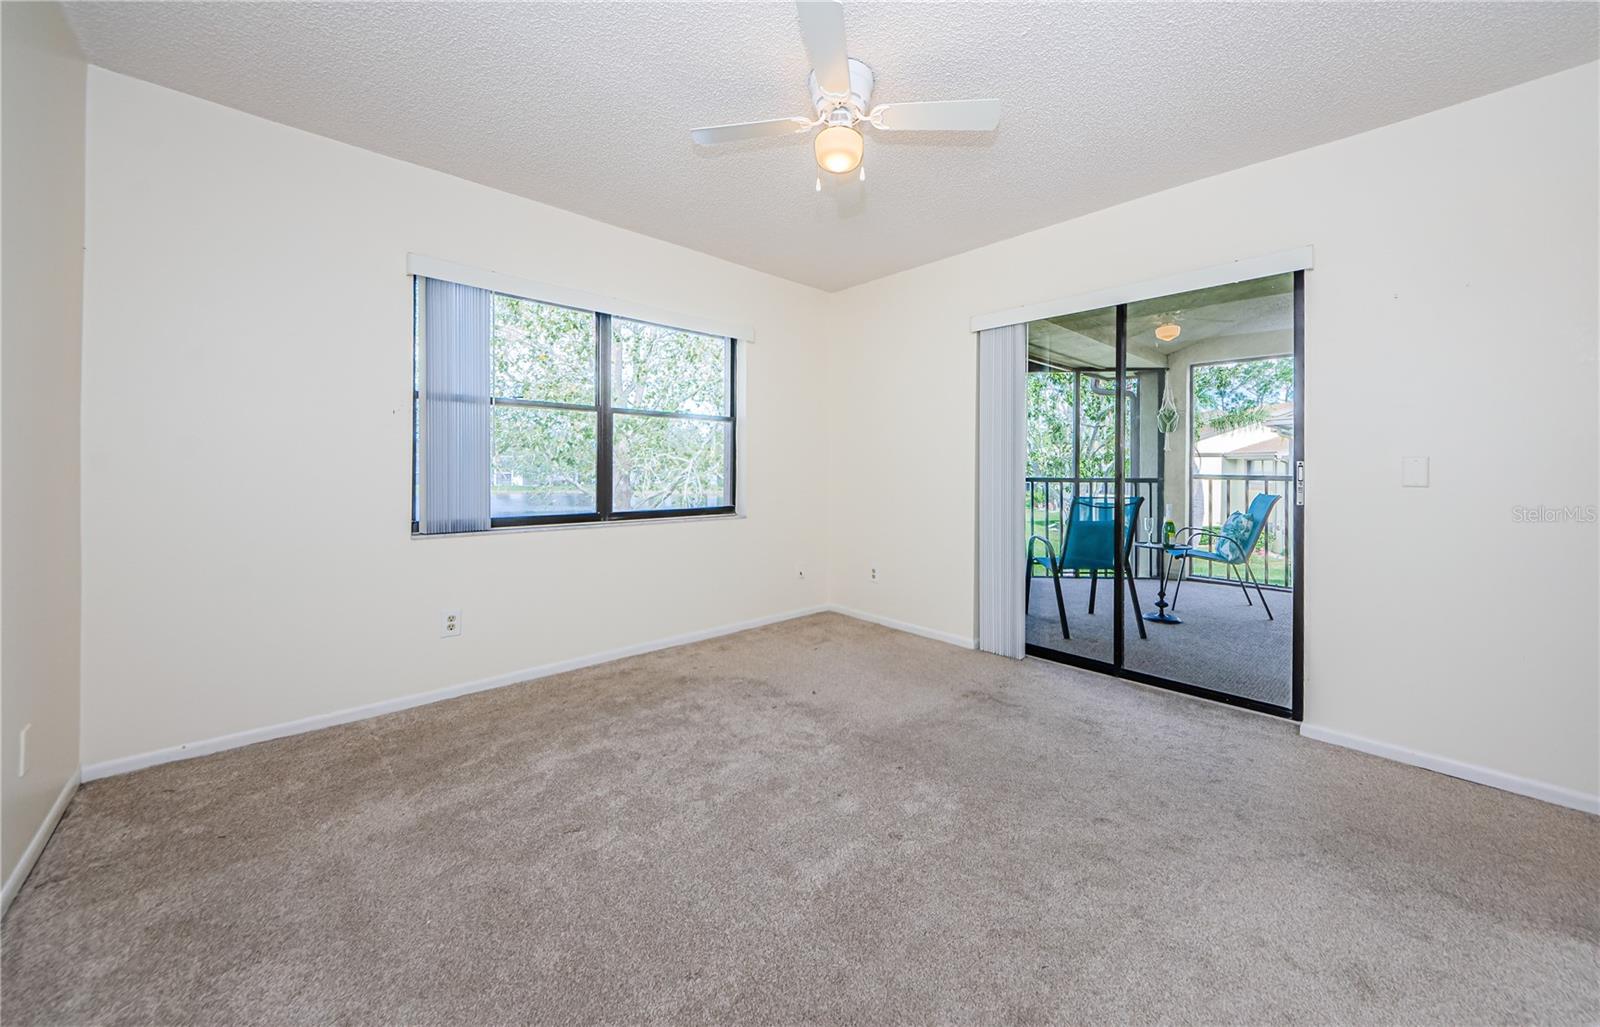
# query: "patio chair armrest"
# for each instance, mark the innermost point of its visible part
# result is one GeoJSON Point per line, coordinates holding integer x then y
{"type": "Point", "coordinates": [1050, 550]}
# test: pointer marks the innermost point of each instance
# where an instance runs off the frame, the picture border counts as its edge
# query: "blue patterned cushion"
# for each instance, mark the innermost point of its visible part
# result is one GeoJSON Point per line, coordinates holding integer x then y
{"type": "Point", "coordinates": [1236, 532]}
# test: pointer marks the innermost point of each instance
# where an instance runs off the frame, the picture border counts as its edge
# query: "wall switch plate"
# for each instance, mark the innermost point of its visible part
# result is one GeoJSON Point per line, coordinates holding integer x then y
{"type": "Point", "coordinates": [451, 625]}
{"type": "Point", "coordinates": [802, 572]}
{"type": "Point", "coordinates": [22, 750]}
{"type": "Point", "coordinates": [1414, 472]}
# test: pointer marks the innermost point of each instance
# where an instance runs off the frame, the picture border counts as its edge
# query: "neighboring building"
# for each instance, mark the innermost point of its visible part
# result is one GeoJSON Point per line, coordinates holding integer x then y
{"type": "Point", "coordinates": [1264, 450]}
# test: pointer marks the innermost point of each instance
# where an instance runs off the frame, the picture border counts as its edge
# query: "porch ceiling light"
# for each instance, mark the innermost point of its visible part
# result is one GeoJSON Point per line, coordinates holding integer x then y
{"type": "Point", "coordinates": [1167, 332]}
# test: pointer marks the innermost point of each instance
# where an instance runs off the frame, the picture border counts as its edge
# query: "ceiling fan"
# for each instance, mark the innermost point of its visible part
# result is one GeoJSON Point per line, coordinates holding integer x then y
{"type": "Point", "coordinates": [841, 90]}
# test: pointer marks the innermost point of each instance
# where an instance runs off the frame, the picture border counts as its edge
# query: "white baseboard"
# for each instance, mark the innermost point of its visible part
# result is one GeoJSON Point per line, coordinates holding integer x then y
{"type": "Point", "coordinates": [189, 750]}
{"type": "Point", "coordinates": [30, 855]}
{"type": "Point", "coordinates": [1542, 790]}
{"type": "Point", "coordinates": [900, 625]}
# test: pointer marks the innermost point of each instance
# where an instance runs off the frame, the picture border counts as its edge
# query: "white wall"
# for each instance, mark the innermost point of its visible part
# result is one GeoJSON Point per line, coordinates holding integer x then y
{"type": "Point", "coordinates": [41, 280]}
{"type": "Point", "coordinates": [1452, 313]}
{"type": "Point", "coordinates": [247, 343]}
{"type": "Point", "coordinates": [247, 436]}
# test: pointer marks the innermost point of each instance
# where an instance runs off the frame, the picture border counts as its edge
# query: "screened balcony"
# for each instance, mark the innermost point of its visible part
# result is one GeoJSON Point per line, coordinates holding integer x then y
{"type": "Point", "coordinates": [1205, 439]}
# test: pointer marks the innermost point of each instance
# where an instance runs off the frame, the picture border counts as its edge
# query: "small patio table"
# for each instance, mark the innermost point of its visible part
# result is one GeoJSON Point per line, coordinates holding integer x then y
{"type": "Point", "coordinates": [1164, 553]}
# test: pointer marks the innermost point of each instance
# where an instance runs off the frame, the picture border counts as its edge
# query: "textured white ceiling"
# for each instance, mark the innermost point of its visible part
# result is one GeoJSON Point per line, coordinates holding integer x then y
{"type": "Point", "coordinates": [588, 106]}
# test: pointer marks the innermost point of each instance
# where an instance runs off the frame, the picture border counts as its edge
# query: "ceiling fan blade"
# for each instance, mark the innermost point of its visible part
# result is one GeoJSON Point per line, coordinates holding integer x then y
{"type": "Point", "coordinates": [822, 31]}
{"type": "Point", "coordinates": [938, 116]}
{"type": "Point", "coordinates": [749, 130]}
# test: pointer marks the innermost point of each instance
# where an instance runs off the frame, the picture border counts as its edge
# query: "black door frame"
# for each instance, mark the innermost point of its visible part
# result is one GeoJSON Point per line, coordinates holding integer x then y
{"type": "Point", "coordinates": [1296, 709]}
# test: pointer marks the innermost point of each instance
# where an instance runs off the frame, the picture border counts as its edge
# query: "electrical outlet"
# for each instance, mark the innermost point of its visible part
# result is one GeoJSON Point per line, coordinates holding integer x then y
{"type": "Point", "coordinates": [452, 625]}
{"type": "Point", "coordinates": [22, 750]}
{"type": "Point", "coordinates": [873, 574]}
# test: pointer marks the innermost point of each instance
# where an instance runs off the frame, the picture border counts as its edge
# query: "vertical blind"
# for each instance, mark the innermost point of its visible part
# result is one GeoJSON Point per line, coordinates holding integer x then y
{"type": "Point", "coordinates": [456, 324]}
{"type": "Point", "coordinates": [1002, 458]}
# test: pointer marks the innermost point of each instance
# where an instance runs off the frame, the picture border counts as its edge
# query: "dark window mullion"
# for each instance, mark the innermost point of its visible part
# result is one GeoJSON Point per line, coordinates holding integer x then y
{"type": "Point", "coordinates": [537, 520]}
{"type": "Point", "coordinates": [602, 357]}
{"type": "Point", "coordinates": [730, 452]}
{"type": "Point", "coordinates": [719, 418]}
{"type": "Point", "coordinates": [541, 404]}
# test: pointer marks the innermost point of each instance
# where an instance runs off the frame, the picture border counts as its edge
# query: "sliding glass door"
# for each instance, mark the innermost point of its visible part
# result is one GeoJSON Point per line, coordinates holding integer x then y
{"type": "Point", "coordinates": [1071, 485]}
{"type": "Point", "coordinates": [1162, 497]}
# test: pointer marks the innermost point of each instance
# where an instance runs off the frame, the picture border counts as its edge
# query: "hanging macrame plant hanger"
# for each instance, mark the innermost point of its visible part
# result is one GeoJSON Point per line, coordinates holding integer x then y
{"type": "Point", "coordinates": [1167, 414]}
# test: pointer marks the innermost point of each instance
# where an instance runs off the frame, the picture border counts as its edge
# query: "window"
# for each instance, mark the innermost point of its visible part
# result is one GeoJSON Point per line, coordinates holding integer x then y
{"type": "Point", "coordinates": [671, 404]}
{"type": "Point", "coordinates": [544, 411]}
{"type": "Point", "coordinates": [584, 416]}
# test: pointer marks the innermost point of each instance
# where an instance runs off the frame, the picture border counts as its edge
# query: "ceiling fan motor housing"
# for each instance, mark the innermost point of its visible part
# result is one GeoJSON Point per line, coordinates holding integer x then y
{"type": "Point", "coordinates": [860, 92]}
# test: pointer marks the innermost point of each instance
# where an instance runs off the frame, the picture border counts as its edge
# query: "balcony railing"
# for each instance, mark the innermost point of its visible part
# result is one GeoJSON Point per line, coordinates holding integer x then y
{"type": "Point", "coordinates": [1215, 497]}
{"type": "Point", "coordinates": [1218, 495]}
{"type": "Point", "coordinates": [1050, 500]}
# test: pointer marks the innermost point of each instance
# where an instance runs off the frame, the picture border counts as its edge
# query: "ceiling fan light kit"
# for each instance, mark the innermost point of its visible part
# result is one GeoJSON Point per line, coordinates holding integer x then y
{"type": "Point", "coordinates": [839, 149]}
{"type": "Point", "coordinates": [841, 93]}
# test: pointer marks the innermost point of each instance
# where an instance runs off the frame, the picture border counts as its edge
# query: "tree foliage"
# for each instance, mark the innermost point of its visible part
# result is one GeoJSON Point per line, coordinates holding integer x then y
{"type": "Point", "coordinates": [545, 460]}
{"type": "Point", "coordinates": [1237, 395]}
{"type": "Point", "coordinates": [1052, 398]}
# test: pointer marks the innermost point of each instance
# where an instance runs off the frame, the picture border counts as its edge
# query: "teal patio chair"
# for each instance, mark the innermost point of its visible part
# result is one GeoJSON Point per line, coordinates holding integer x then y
{"type": "Point", "coordinates": [1231, 546]}
{"type": "Point", "coordinates": [1087, 544]}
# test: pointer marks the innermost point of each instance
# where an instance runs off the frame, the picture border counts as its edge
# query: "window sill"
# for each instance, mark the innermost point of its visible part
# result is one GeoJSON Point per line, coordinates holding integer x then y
{"type": "Point", "coordinates": [583, 525]}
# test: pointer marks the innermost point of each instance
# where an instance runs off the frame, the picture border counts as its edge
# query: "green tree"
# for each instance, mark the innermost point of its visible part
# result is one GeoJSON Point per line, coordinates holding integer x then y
{"type": "Point", "coordinates": [665, 462]}
{"type": "Point", "coordinates": [544, 460]}
{"type": "Point", "coordinates": [1237, 395]}
{"type": "Point", "coordinates": [1053, 398]}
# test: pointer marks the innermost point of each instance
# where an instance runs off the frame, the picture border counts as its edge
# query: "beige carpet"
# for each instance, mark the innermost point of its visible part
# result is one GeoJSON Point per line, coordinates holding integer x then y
{"type": "Point", "coordinates": [820, 821]}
